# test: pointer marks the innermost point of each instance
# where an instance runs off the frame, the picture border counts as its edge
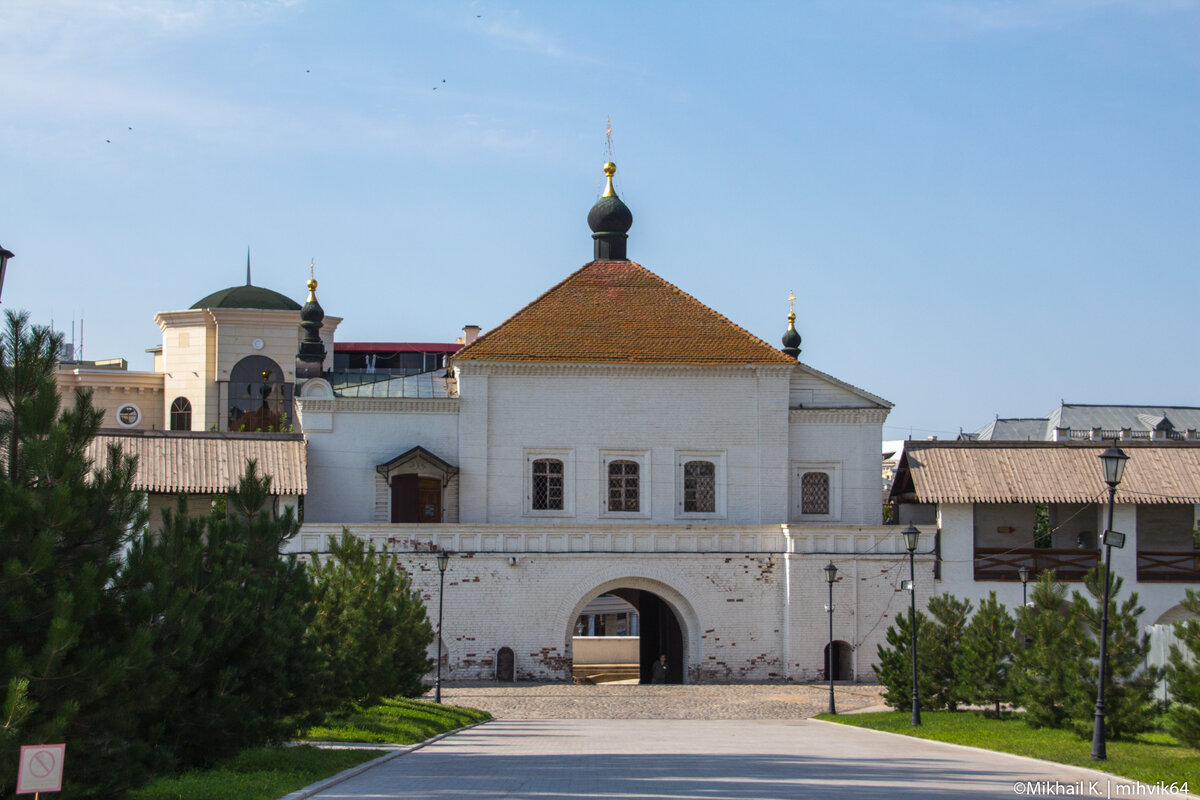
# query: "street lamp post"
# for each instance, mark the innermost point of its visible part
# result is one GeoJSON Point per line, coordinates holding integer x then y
{"type": "Point", "coordinates": [830, 577]}
{"type": "Point", "coordinates": [911, 535]}
{"type": "Point", "coordinates": [5, 255]}
{"type": "Point", "coordinates": [1113, 460]}
{"type": "Point", "coordinates": [1023, 572]}
{"type": "Point", "coordinates": [443, 558]}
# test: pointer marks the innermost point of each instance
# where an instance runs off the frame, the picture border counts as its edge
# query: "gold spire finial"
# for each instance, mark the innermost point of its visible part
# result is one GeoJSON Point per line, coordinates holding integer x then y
{"type": "Point", "coordinates": [608, 137]}
{"type": "Point", "coordinates": [312, 281]}
{"type": "Point", "coordinates": [609, 169]}
{"type": "Point", "coordinates": [791, 307]}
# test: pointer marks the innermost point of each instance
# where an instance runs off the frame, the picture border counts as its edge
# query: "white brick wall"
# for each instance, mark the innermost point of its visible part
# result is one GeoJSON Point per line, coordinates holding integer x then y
{"type": "Point", "coordinates": [957, 524]}
{"type": "Point", "coordinates": [746, 614]}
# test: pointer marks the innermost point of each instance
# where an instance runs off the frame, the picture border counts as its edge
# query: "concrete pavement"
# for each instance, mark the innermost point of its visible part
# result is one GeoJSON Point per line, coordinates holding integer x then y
{"type": "Point", "coordinates": [707, 760]}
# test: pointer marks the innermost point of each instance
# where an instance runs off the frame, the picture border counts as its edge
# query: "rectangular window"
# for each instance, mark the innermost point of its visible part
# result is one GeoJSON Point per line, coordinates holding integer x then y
{"type": "Point", "coordinates": [624, 485]}
{"type": "Point", "coordinates": [699, 487]}
{"type": "Point", "coordinates": [699, 484]}
{"type": "Point", "coordinates": [547, 484]}
{"type": "Point", "coordinates": [814, 493]}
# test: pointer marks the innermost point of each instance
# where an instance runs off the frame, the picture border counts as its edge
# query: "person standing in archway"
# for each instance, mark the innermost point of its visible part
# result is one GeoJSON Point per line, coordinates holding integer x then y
{"type": "Point", "coordinates": [660, 670]}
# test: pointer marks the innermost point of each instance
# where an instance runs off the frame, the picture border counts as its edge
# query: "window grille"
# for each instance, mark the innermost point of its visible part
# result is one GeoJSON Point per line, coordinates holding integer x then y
{"type": "Point", "coordinates": [699, 487]}
{"type": "Point", "coordinates": [547, 484]}
{"type": "Point", "coordinates": [814, 493]}
{"type": "Point", "coordinates": [623, 486]}
{"type": "Point", "coordinates": [181, 414]}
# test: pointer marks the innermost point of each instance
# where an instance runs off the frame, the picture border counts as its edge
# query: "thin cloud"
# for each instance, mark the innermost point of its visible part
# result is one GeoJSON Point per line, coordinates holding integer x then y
{"type": "Point", "coordinates": [1002, 16]}
{"type": "Point", "coordinates": [513, 33]}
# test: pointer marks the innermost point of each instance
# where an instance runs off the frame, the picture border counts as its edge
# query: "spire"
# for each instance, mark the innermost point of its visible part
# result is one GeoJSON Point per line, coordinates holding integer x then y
{"type": "Point", "coordinates": [791, 339]}
{"type": "Point", "coordinates": [312, 350]}
{"type": "Point", "coordinates": [247, 265]}
{"type": "Point", "coordinates": [610, 220]}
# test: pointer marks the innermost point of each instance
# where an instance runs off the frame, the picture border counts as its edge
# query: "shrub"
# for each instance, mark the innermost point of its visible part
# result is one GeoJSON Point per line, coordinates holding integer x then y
{"type": "Point", "coordinates": [1045, 672]}
{"type": "Point", "coordinates": [1183, 676]}
{"type": "Point", "coordinates": [983, 663]}
{"type": "Point", "coordinates": [1129, 706]}
{"type": "Point", "coordinates": [370, 624]}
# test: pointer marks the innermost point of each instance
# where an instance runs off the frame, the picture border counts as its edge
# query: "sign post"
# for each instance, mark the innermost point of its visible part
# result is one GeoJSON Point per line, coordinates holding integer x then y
{"type": "Point", "coordinates": [41, 769]}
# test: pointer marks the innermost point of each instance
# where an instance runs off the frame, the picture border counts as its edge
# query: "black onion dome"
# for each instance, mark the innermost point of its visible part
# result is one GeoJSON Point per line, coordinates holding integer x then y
{"type": "Point", "coordinates": [791, 339]}
{"type": "Point", "coordinates": [610, 221]}
{"type": "Point", "coordinates": [610, 215]}
{"type": "Point", "coordinates": [312, 311]}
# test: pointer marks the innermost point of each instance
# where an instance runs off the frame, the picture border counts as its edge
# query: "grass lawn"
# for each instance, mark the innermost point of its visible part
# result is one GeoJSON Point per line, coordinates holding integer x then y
{"type": "Point", "coordinates": [267, 773]}
{"type": "Point", "coordinates": [1152, 757]}
{"type": "Point", "coordinates": [264, 773]}
{"type": "Point", "coordinates": [396, 720]}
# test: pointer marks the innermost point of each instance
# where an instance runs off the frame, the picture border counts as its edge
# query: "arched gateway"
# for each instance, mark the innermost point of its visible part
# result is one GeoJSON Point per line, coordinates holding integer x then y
{"type": "Point", "coordinates": [668, 623]}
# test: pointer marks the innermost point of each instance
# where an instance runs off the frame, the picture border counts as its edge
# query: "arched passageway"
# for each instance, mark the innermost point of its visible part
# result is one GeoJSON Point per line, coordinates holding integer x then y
{"type": "Point", "coordinates": [654, 624]}
{"type": "Point", "coordinates": [842, 662]}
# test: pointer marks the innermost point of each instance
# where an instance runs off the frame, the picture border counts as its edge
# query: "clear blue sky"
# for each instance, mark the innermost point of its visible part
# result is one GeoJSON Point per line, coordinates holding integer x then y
{"type": "Point", "coordinates": [982, 207]}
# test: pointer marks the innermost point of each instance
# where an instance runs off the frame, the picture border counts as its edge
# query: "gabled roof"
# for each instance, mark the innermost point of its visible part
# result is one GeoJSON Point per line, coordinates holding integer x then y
{"type": "Point", "coordinates": [619, 312]}
{"type": "Point", "coordinates": [1045, 472]}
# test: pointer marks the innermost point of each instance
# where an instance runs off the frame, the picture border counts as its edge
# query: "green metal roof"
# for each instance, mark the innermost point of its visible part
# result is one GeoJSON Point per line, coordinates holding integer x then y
{"type": "Point", "coordinates": [248, 297]}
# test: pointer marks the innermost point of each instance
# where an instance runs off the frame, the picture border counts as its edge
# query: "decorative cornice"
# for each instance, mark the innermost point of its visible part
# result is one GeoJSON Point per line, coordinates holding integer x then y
{"type": "Point", "coordinates": [838, 416]}
{"type": "Point", "coordinates": [376, 405]}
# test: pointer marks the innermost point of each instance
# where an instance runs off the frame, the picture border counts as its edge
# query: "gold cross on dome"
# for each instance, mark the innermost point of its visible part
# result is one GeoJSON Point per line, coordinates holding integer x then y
{"type": "Point", "coordinates": [791, 302]}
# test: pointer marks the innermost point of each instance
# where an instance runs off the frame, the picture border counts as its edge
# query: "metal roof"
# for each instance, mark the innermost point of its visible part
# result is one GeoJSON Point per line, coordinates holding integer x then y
{"type": "Point", "coordinates": [1045, 472]}
{"type": "Point", "coordinates": [359, 384]}
{"type": "Point", "coordinates": [198, 462]}
{"type": "Point", "coordinates": [1085, 417]}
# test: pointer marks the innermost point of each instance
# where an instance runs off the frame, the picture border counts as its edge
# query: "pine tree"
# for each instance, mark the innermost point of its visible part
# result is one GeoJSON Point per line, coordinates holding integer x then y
{"type": "Point", "coordinates": [1183, 676]}
{"type": "Point", "coordinates": [229, 620]}
{"type": "Point", "coordinates": [950, 616]}
{"type": "Point", "coordinates": [1129, 682]}
{"type": "Point", "coordinates": [894, 669]}
{"type": "Point", "coordinates": [984, 660]}
{"type": "Point", "coordinates": [1045, 672]}
{"type": "Point", "coordinates": [70, 668]}
{"type": "Point", "coordinates": [370, 624]}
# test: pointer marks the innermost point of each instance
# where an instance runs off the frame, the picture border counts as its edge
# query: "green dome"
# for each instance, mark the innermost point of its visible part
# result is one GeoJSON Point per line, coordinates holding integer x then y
{"type": "Point", "coordinates": [248, 297]}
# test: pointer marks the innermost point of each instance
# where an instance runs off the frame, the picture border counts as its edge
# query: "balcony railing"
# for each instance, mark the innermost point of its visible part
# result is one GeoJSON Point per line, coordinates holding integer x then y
{"type": "Point", "coordinates": [1002, 563]}
{"type": "Point", "coordinates": [1181, 566]}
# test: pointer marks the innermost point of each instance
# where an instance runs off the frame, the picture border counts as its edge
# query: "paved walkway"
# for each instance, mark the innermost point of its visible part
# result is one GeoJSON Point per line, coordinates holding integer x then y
{"type": "Point", "coordinates": [700, 760]}
{"type": "Point", "coordinates": [630, 701]}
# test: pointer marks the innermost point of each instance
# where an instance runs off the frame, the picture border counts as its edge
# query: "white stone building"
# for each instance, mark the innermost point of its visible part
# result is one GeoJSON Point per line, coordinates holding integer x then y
{"type": "Point", "coordinates": [981, 498]}
{"type": "Point", "coordinates": [618, 436]}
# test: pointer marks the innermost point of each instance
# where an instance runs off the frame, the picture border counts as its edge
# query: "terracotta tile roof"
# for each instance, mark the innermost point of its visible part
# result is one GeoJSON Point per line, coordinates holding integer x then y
{"type": "Point", "coordinates": [1046, 472]}
{"type": "Point", "coordinates": [620, 312]}
{"type": "Point", "coordinates": [207, 463]}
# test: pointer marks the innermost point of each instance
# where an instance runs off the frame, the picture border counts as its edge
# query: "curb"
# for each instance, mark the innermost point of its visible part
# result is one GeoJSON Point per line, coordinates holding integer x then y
{"type": "Point", "coordinates": [347, 774]}
{"type": "Point", "coordinates": [1029, 759]}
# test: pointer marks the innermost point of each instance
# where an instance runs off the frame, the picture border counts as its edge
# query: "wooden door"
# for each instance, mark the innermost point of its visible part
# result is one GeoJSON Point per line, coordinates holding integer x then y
{"type": "Point", "coordinates": [429, 500]}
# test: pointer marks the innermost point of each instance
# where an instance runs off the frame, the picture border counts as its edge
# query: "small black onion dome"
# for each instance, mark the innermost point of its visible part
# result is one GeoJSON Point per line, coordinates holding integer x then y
{"type": "Point", "coordinates": [312, 349]}
{"type": "Point", "coordinates": [610, 215]}
{"type": "Point", "coordinates": [791, 337]}
{"type": "Point", "coordinates": [312, 311]}
{"type": "Point", "coordinates": [610, 221]}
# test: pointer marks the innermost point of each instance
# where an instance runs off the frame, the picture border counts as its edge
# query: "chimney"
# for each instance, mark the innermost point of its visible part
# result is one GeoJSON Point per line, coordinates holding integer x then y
{"type": "Point", "coordinates": [470, 333]}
